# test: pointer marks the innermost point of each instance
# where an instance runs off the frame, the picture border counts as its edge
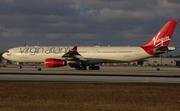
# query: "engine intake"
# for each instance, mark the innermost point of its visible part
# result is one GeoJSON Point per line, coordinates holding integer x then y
{"type": "Point", "coordinates": [51, 62]}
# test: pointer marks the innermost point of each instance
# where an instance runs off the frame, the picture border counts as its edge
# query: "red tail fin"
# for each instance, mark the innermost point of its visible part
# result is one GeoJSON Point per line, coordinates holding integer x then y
{"type": "Point", "coordinates": [163, 37]}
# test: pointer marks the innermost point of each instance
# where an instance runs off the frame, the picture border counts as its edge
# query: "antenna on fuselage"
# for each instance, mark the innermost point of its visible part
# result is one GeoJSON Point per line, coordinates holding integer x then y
{"type": "Point", "coordinates": [26, 44]}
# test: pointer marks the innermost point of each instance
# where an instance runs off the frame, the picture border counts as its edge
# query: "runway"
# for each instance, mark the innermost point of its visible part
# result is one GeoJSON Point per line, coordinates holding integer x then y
{"type": "Point", "coordinates": [106, 75]}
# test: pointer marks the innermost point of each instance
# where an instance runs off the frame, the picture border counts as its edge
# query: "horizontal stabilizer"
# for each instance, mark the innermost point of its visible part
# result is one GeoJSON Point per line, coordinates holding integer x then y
{"type": "Point", "coordinates": [163, 49]}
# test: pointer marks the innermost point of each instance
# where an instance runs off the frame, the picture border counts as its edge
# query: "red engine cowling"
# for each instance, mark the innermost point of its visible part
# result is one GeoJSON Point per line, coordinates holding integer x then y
{"type": "Point", "coordinates": [51, 62]}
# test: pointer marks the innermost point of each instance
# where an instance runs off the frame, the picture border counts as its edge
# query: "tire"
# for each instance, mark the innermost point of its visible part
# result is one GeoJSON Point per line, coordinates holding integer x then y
{"type": "Point", "coordinates": [96, 67]}
{"type": "Point", "coordinates": [90, 67]}
{"type": "Point", "coordinates": [39, 69]}
{"type": "Point", "coordinates": [77, 68]}
{"type": "Point", "coordinates": [83, 68]}
{"type": "Point", "coordinates": [19, 67]}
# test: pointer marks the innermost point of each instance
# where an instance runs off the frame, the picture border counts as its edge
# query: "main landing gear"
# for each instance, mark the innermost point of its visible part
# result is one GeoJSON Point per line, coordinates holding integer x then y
{"type": "Point", "coordinates": [80, 68]}
{"type": "Point", "coordinates": [90, 68]}
{"type": "Point", "coordinates": [94, 68]}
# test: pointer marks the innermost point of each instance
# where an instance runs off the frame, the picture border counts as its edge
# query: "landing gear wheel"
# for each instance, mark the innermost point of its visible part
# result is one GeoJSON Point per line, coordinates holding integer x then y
{"type": "Point", "coordinates": [19, 67]}
{"type": "Point", "coordinates": [94, 68]}
{"type": "Point", "coordinates": [83, 68]}
{"type": "Point", "coordinates": [39, 69]}
{"type": "Point", "coordinates": [78, 68]}
{"type": "Point", "coordinates": [90, 67]}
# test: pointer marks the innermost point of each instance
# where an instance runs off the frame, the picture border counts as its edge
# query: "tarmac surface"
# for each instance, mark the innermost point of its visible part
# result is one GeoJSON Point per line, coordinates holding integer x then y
{"type": "Point", "coordinates": [131, 75]}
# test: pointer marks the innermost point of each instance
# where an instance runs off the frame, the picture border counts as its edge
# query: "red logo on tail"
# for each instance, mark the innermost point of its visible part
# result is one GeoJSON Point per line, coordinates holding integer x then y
{"type": "Point", "coordinates": [160, 41]}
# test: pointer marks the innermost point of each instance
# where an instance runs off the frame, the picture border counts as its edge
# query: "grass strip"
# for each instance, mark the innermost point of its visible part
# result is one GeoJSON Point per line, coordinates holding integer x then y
{"type": "Point", "coordinates": [81, 97]}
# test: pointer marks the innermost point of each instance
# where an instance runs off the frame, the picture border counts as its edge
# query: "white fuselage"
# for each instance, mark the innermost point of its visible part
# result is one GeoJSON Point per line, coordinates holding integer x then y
{"type": "Point", "coordinates": [98, 54]}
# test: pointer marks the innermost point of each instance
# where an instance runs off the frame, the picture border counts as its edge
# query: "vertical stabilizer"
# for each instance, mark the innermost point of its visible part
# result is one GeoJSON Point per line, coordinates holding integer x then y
{"type": "Point", "coordinates": [162, 38]}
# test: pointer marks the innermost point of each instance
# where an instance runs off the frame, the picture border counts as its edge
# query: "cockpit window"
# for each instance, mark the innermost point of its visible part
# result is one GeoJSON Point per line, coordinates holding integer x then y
{"type": "Point", "coordinates": [7, 51]}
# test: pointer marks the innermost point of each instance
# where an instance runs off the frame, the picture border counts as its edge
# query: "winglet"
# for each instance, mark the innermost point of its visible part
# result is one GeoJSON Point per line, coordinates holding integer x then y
{"type": "Point", "coordinates": [74, 48]}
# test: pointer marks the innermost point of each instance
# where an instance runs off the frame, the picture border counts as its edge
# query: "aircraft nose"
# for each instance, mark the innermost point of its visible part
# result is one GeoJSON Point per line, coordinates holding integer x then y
{"type": "Point", "coordinates": [4, 55]}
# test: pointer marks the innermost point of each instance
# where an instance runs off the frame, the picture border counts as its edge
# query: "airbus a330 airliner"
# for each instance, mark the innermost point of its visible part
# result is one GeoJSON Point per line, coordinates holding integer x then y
{"type": "Point", "coordinates": [81, 57]}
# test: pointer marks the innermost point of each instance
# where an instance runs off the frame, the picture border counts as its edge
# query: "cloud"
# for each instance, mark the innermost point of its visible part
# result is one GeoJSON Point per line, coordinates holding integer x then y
{"type": "Point", "coordinates": [7, 1]}
{"type": "Point", "coordinates": [85, 36]}
{"type": "Point", "coordinates": [106, 14]}
{"type": "Point", "coordinates": [11, 33]}
{"type": "Point", "coordinates": [56, 18]}
{"type": "Point", "coordinates": [54, 36]}
{"type": "Point", "coordinates": [174, 4]}
{"type": "Point", "coordinates": [56, 3]}
{"type": "Point", "coordinates": [118, 4]}
{"type": "Point", "coordinates": [66, 25]}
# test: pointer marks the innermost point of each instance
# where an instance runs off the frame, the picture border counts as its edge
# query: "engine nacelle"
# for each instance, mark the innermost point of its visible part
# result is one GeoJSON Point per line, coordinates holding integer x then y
{"type": "Point", "coordinates": [51, 62]}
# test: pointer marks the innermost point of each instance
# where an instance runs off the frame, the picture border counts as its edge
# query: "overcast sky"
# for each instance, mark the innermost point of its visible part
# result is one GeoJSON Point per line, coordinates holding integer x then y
{"type": "Point", "coordinates": [85, 22]}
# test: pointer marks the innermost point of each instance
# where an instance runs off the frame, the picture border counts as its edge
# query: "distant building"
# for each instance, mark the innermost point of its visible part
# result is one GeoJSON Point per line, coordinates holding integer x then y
{"type": "Point", "coordinates": [153, 61]}
{"type": "Point", "coordinates": [162, 61]}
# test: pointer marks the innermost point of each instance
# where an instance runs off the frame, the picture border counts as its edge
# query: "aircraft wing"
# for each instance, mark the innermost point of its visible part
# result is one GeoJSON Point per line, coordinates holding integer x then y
{"type": "Point", "coordinates": [73, 55]}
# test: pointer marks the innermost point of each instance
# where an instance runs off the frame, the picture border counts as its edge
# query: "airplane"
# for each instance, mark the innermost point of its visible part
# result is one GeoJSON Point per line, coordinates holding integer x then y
{"type": "Point", "coordinates": [81, 57]}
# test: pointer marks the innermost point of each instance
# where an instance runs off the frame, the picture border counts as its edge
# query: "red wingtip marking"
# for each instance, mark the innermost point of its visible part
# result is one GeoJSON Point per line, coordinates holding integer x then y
{"type": "Point", "coordinates": [74, 48]}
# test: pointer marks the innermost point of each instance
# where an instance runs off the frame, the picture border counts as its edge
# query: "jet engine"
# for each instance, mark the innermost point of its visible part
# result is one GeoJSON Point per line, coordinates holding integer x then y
{"type": "Point", "coordinates": [52, 62]}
